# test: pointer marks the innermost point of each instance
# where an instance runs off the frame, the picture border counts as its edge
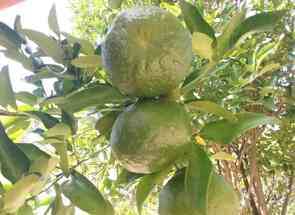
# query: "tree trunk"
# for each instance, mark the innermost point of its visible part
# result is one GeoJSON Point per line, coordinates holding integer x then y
{"type": "Point", "coordinates": [254, 174]}
{"type": "Point", "coordinates": [286, 201]}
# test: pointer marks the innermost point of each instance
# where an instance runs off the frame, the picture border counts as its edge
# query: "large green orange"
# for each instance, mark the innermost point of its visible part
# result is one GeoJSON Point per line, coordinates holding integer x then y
{"type": "Point", "coordinates": [146, 52]}
{"type": "Point", "coordinates": [222, 199]}
{"type": "Point", "coordinates": [150, 135]}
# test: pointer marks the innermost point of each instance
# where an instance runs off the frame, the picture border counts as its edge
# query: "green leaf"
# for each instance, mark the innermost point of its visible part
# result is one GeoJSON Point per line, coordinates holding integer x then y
{"type": "Point", "coordinates": [16, 55]}
{"type": "Point", "coordinates": [18, 129]}
{"type": "Point", "coordinates": [14, 163]}
{"type": "Point", "coordinates": [262, 52]}
{"type": "Point", "coordinates": [211, 107]}
{"type": "Point", "coordinates": [47, 120]}
{"type": "Point", "coordinates": [258, 23]}
{"type": "Point", "coordinates": [52, 21]}
{"type": "Point", "coordinates": [96, 95]}
{"type": "Point", "coordinates": [6, 91]}
{"type": "Point", "coordinates": [9, 38]}
{"type": "Point", "coordinates": [32, 151]}
{"type": "Point", "coordinates": [25, 210]}
{"type": "Point", "coordinates": [69, 119]}
{"type": "Point", "coordinates": [146, 185]}
{"type": "Point", "coordinates": [58, 207]}
{"type": "Point", "coordinates": [266, 69]}
{"type": "Point", "coordinates": [224, 131]}
{"type": "Point", "coordinates": [59, 130]}
{"type": "Point", "coordinates": [115, 4]}
{"type": "Point", "coordinates": [223, 41]}
{"type": "Point", "coordinates": [26, 97]}
{"type": "Point", "coordinates": [202, 45]}
{"type": "Point", "coordinates": [83, 194]}
{"type": "Point", "coordinates": [88, 61]}
{"type": "Point", "coordinates": [46, 73]}
{"type": "Point", "coordinates": [17, 23]}
{"type": "Point", "coordinates": [86, 47]}
{"type": "Point", "coordinates": [194, 20]}
{"type": "Point", "coordinates": [16, 197]}
{"type": "Point", "coordinates": [48, 45]}
{"type": "Point", "coordinates": [197, 179]}
{"type": "Point", "coordinates": [105, 123]}
{"type": "Point", "coordinates": [43, 166]}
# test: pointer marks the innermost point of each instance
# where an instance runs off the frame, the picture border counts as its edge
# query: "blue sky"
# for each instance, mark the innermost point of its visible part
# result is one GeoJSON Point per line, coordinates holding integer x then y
{"type": "Point", "coordinates": [34, 14]}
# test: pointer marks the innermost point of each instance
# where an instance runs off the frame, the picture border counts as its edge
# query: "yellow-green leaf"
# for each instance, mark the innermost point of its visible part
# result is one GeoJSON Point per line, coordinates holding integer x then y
{"type": "Point", "coordinates": [86, 47]}
{"type": "Point", "coordinates": [16, 197]}
{"type": "Point", "coordinates": [6, 91]}
{"type": "Point", "coordinates": [211, 107]}
{"type": "Point", "coordinates": [47, 44]}
{"type": "Point", "coordinates": [52, 20]}
{"type": "Point", "coordinates": [202, 45]}
{"type": "Point", "coordinates": [88, 61]}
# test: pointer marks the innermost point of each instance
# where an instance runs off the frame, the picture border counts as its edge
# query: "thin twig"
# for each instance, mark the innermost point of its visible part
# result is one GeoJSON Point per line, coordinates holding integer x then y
{"type": "Point", "coordinates": [91, 156]}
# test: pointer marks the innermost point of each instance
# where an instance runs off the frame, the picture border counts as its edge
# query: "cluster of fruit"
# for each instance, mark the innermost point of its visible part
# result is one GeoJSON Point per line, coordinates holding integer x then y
{"type": "Point", "coordinates": [147, 53]}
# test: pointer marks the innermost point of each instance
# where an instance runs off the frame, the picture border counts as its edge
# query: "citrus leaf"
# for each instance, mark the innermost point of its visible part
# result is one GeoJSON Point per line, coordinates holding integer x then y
{"type": "Point", "coordinates": [47, 120]}
{"type": "Point", "coordinates": [260, 22]}
{"type": "Point", "coordinates": [266, 69]}
{"type": "Point", "coordinates": [25, 210]}
{"type": "Point", "coordinates": [48, 45]}
{"type": "Point", "coordinates": [224, 131]}
{"type": "Point", "coordinates": [88, 61]}
{"type": "Point", "coordinates": [16, 197]}
{"type": "Point", "coordinates": [58, 207]}
{"type": "Point", "coordinates": [115, 4]}
{"type": "Point", "coordinates": [197, 179]}
{"type": "Point", "coordinates": [86, 47]}
{"type": "Point", "coordinates": [32, 151]}
{"type": "Point", "coordinates": [69, 119]}
{"type": "Point", "coordinates": [9, 38]}
{"type": "Point", "coordinates": [6, 91]}
{"type": "Point", "coordinates": [223, 41]}
{"type": "Point", "coordinates": [223, 156]}
{"type": "Point", "coordinates": [52, 21]}
{"type": "Point", "coordinates": [83, 194]}
{"type": "Point", "coordinates": [99, 94]}
{"type": "Point", "coordinates": [194, 20]}
{"type": "Point", "coordinates": [202, 45]}
{"type": "Point", "coordinates": [26, 97]}
{"type": "Point", "coordinates": [211, 107]}
{"type": "Point", "coordinates": [18, 129]}
{"type": "Point", "coordinates": [16, 55]}
{"type": "Point", "coordinates": [105, 123]}
{"type": "Point", "coordinates": [146, 185]}
{"type": "Point", "coordinates": [43, 166]}
{"type": "Point", "coordinates": [58, 130]}
{"type": "Point", "coordinates": [14, 162]}
{"type": "Point", "coordinates": [46, 73]}
{"type": "Point", "coordinates": [17, 23]}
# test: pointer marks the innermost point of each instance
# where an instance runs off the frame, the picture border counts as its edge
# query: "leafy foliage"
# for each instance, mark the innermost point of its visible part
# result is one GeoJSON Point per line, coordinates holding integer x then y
{"type": "Point", "coordinates": [240, 92]}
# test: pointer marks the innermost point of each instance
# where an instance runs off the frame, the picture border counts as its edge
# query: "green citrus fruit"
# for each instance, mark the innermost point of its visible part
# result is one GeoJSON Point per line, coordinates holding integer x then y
{"type": "Point", "coordinates": [150, 135]}
{"type": "Point", "coordinates": [147, 52]}
{"type": "Point", "coordinates": [222, 199]}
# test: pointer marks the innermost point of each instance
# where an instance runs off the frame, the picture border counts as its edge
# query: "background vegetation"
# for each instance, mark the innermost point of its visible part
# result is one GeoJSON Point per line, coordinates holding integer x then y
{"type": "Point", "coordinates": [256, 75]}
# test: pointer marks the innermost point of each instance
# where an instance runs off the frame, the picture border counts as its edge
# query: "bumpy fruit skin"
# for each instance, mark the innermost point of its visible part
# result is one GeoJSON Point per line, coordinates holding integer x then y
{"type": "Point", "coordinates": [147, 52]}
{"type": "Point", "coordinates": [222, 199]}
{"type": "Point", "coordinates": [150, 135]}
